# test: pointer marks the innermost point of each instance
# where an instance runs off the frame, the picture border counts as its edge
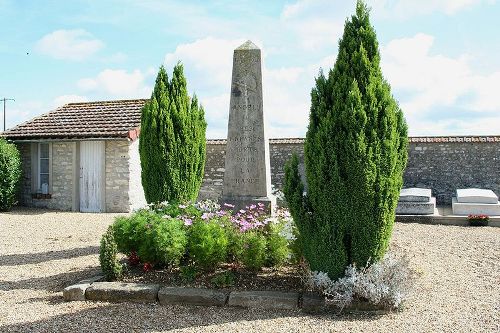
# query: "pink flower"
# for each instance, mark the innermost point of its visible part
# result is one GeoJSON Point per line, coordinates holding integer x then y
{"type": "Point", "coordinates": [229, 205]}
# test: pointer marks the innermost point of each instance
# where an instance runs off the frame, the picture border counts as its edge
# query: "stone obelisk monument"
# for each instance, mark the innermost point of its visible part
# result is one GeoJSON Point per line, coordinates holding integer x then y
{"type": "Point", "coordinates": [247, 177]}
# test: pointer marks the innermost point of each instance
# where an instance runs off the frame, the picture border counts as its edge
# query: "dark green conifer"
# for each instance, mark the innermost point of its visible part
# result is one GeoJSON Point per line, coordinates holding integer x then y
{"type": "Point", "coordinates": [355, 154]}
{"type": "Point", "coordinates": [172, 142]}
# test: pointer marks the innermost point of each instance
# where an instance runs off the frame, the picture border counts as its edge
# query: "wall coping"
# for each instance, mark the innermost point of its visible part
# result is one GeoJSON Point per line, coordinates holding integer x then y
{"type": "Point", "coordinates": [412, 139]}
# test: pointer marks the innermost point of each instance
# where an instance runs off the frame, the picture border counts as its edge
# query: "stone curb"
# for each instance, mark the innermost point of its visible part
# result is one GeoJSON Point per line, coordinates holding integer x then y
{"type": "Point", "coordinates": [151, 293]}
{"type": "Point", "coordinates": [264, 299]}
{"type": "Point", "coordinates": [192, 296]}
{"type": "Point", "coordinates": [122, 292]}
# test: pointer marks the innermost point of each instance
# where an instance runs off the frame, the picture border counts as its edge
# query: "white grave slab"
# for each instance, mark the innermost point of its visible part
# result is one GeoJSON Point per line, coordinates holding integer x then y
{"type": "Point", "coordinates": [467, 208]}
{"type": "Point", "coordinates": [476, 195]}
{"type": "Point", "coordinates": [416, 207]}
{"type": "Point", "coordinates": [415, 194]}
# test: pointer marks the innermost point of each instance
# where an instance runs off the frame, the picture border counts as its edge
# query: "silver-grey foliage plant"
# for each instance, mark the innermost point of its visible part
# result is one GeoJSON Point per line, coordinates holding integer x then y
{"type": "Point", "coordinates": [387, 283]}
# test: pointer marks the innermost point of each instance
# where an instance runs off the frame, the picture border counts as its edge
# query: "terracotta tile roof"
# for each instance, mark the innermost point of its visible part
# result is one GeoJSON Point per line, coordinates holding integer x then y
{"type": "Point", "coordinates": [105, 119]}
{"type": "Point", "coordinates": [122, 118]}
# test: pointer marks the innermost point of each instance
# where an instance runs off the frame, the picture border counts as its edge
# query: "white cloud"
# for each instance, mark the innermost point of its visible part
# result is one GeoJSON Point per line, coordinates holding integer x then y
{"type": "Point", "coordinates": [209, 60]}
{"type": "Point", "coordinates": [69, 44]}
{"type": "Point", "coordinates": [208, 66]}
{"type": "Point", "coordinates": [65, 99]}
{"type": "Point", "coordinates": [435, 80]}
{"type": "Point", "coordinates": [409, 8]}
{"type": "Point", "coordinates": [118, 83]}
{"type": "Point", "coordinates": [316, 23]}
{"type": "Point", "coordinates": [430, 84]}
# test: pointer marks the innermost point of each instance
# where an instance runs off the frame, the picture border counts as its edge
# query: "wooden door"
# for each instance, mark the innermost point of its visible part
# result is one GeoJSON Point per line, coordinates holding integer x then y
{"type": "Point", "coordinates": [91, 176]}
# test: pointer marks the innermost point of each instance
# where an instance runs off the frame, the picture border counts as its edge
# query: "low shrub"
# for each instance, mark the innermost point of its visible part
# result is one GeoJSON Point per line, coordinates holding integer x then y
{"type": "Point", "coordinates": [223, 280]}
{"type": "Point", "coordinates": [253, 249]}
{"type": "Point", "coordinates": [10, 173]}
{"type": "Point", "coordinates": [108, 251]}
{"type": "Point", "coordinates": [387, 283]}
{"type": "Point", "coordinates": [278, 251]}
{"type": "Point", "coordinates": [208, 243]}
{"type": "Point", "coordinates": [154, 239]}
{"type": "Point", "coordinates": [204, 236]}
{"type": "Point", "coordinates": [188, 273]}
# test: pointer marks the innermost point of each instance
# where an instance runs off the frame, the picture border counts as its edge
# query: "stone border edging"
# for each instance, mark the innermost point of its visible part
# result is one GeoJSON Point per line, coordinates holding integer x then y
{"type": "Point", "coordinates": [94, 290]}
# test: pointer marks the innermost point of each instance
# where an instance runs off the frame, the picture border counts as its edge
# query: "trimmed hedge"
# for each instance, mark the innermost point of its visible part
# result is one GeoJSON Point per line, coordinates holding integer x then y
{"type": "Point", "coordinates": [10, 174]}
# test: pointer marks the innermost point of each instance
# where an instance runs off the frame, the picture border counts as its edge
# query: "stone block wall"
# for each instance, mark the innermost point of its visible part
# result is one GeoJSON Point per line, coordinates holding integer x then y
{"type": "Point", "coordinates": [117, 176]}
{"type": "Point", "coordinates": [447, 166]}
{"type": "Point", "coordinates": [211, 187]}
{"type": "Point", "coordinates": [62, 182]}
{"type": "Point", "coordinates": [136, 193]}
{"type": "Point", "coordinates": [62, 176]}
{"type": "Point", "coordinates": [441, 166]}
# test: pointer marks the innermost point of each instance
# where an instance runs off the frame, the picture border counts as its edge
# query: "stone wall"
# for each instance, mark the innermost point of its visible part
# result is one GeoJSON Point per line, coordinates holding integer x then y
{"type": "Point", "coordinates": [62, 176]}
{"type": "Point", "coordinates": [62, 181]}
{"type": "Point", "coordinates": [446, 166]}
{"type": "Point", "coordinates": [136, 193]}
{"type": "Point", "coordinates": [117, 176]}
{"type": "Point", "coordinates": [441, 166]}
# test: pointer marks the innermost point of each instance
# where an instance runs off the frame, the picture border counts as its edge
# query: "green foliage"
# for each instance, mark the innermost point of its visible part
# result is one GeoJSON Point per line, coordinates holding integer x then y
{"type": "Point", "coordinates": [10, 173]}
{"type": "Point", "coordinates": [223, 280]}
{"type": "Point", "coordinates": [203, 236]}
{"type": "Point", "coordinates": [278, 251]}
{"type": "Point", "coordinates": [188, 273]}
{"type": "Point", "coordinates": [355, 154]}
{"type": "Point", "coordinates": [110, 265]}
{"type": "Point", "coordinates": [208, 244]}
{"type": "Point", "coordinates": [156, 240]}
{"type": "Point", "coordinates": [172, 142]}
{"type": "Point", "coordinates": [253, 250]}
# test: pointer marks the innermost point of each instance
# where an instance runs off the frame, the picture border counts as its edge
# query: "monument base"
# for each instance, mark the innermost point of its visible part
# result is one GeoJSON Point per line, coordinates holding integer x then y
{"type": "Point", "coordinates": [244, 202]}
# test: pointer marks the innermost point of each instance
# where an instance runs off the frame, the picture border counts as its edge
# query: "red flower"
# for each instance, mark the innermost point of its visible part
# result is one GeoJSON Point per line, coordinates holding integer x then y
{"type": "Point", "coordinates": [133, 259]}
{"type": "Point", "coordinates": [147, 267]}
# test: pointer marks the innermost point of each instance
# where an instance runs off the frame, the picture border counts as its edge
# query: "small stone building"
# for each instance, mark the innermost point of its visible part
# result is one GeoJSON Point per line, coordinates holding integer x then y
{"type": "Point", "coordinates": [82, 157]}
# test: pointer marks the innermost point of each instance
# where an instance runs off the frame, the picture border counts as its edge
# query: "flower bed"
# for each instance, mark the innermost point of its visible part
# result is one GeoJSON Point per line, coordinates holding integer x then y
{"type": "Point", "coordinates": [478, 220]}
{"type": "Point", "coordinates": [204, 238]}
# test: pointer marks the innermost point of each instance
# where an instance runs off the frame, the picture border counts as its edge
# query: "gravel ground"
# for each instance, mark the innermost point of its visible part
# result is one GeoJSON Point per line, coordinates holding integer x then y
{"type": "Point", "coordinates": [41, 252]}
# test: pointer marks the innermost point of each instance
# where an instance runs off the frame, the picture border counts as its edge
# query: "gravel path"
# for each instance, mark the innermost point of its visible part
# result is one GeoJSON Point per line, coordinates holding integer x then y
{"type": "Point", "coordinates": [41, 252]}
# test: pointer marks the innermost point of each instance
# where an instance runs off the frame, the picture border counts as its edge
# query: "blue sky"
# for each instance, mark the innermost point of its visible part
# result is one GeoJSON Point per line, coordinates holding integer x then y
{"type": "Point", "coordinates": [440, 56]}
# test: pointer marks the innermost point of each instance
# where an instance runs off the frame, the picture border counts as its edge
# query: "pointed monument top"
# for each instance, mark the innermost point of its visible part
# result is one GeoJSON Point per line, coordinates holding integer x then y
{"type": "Point", "coordinates": [248, 45]}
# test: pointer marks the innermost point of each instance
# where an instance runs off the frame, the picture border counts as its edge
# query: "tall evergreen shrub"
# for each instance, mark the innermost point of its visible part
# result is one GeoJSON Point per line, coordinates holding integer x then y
{"type": "Point", "coordinates": [355, 154]}
{"type": "Point", "coordinates": [172, 142]}
{"type": "Point", "coordinates": [10, 173]}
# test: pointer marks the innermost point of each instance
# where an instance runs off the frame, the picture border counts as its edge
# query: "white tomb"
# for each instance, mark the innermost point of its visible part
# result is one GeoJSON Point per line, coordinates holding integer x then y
{"type": "Point", "coordinates": [416, 201]}
{"type": "Point", "coordinates": [475, 201]}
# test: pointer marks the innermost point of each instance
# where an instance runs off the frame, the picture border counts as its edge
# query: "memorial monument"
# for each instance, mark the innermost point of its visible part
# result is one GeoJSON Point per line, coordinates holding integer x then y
{"type": "Point", "coordinates": [247, 176]}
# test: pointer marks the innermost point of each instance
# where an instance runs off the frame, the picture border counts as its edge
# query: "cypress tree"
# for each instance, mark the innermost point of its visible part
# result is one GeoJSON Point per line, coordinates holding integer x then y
{"type": "Point", "coordinates": [172, 142]}
{"type": "Point", "coordinates": [355, 154]}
